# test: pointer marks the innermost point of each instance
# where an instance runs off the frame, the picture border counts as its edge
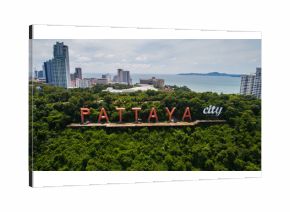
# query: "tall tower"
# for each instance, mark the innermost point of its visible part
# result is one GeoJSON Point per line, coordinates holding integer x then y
{"type": "Point", "coordinates": [258, 84]}
{"type": "Point", "coordinates": [120, 75]}
{"type": "Point", "coordinates": [252, 84]}
{"type": "Point", "coordinates": [57, 69]}
{"type": "Point", "coordinates": [247, 84]}
{"type": "Point", "coordinates": [78, 73]}
{"type": "Point", "coordinates": [124, 77]}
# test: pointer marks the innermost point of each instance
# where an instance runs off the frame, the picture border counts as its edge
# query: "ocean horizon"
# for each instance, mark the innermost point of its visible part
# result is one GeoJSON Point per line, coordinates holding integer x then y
{"type": "Point", "coordinates": [197, 83]}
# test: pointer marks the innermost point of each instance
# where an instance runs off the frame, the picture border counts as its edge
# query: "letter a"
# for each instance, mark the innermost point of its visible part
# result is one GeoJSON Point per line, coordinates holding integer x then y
{"type": "Point", "coordinates": [170, 113]}
{"type": "Point", "coordinates": [153, 115]}
{"type": "Point", "coordinates": [103, 115]}
{"type": "Point", "coordinates": [186, 114]}
{"type": "Point", "coordinates": [84, 111]}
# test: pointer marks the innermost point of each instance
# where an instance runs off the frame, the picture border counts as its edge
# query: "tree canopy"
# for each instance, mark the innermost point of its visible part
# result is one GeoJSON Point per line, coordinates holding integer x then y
{"type": "Point", "coordinates": [235, 145]}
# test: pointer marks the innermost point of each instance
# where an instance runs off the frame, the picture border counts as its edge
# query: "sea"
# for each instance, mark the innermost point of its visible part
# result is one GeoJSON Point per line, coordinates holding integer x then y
{"type": "Point", "coordinates": [197, 83]}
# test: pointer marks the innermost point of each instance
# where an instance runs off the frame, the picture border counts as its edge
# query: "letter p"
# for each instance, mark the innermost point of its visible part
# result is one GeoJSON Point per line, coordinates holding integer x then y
{"type": "Point", "coordinates": [84, 111]}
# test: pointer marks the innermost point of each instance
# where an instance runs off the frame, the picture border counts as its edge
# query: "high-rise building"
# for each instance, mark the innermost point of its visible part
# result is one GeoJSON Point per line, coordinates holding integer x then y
{"type": "Point", "coordinates": [124, 77]}
{"type": "Point", "coordinates": [78, 73]}
{"type": "Point", "coordinates": [120, 75]}
{"type": "Point", "coordinates": [247, 84]}
{"type": "Point", "coordinates": [40, 74]}
{"type": "Point", "coordinates": [251, 84]}
{"type": "Point", "coordinates": [48, 71]}
{"type": "Point", "coordinates": [258, 84]}
{"type": "Point", "coordinates": [127, 78]}
{"type": "Point", "coordinates": [57, 69]}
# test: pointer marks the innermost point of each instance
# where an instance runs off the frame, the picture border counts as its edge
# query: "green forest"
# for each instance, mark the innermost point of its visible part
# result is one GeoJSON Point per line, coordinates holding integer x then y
{"type": "Point", "coordinates": [232, 146]}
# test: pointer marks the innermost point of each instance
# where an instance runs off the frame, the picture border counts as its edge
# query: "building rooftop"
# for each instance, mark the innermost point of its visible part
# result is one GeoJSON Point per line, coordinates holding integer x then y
{"type": "Point", "coordinates": [131, 90]}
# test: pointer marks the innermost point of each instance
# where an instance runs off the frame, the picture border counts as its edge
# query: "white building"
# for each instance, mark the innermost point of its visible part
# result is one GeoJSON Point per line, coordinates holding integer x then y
{"type": "Point", "coordinates": [251, 84]}
{"type": "Point", "coordinates": [247, 84]}
{"type": "Point", "coordinates": [83, 83]}
{"type": "Point", "coordinates": [131, 90]}
{"type": "Point", "coordinates": [258, 84]}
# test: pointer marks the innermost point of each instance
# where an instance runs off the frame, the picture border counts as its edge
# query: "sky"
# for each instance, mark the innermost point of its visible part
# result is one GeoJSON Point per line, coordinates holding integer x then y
{"type": "Point", "coordinates": [153, 56]}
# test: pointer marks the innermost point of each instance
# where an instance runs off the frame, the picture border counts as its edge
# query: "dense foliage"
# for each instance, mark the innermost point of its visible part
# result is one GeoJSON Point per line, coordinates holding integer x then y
{"type": "Point", "coordinates": [235, 145]}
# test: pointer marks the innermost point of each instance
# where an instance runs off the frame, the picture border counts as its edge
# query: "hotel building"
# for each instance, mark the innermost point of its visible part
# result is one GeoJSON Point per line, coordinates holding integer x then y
{"type": "Point", "coordinates": [251, 84]}
{"type": "Point", "coordinates": [257, 84]}
{"type": "Point", "coordinates": [123, 77]}
{"type": "Point", "coordinates": [247, 84]}
{"type": "Point", "coordinates": [57, 69]}
{"type": "Point", "coordinates": [157, 83]}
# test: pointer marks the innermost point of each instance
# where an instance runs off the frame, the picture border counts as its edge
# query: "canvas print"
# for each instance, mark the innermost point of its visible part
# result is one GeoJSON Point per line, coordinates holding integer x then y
{"type": "Point", "coordinates": [145, 105]}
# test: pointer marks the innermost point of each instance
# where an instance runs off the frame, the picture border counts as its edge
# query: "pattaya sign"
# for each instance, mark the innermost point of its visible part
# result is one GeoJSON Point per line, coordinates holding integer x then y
{"type": "Point", "coordinates": [153, 115]}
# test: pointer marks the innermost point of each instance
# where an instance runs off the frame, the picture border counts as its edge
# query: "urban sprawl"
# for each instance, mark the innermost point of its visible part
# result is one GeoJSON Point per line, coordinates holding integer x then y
{"type": "Point", "coordinates": [56, 71]}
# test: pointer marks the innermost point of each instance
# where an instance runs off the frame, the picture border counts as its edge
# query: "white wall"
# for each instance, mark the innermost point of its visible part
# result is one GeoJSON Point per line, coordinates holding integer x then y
{"type": "Point", "coordinates": [217, 195]}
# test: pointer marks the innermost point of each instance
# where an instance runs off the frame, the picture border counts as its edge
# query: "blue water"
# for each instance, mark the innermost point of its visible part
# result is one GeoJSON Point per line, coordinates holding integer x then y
{"type": "Point", "coordinates": [219, 84]}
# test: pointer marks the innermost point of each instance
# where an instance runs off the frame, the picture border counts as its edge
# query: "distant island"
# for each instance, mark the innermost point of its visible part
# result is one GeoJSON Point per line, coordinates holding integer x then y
{"type": "Point", "coordinates": [216, 74]}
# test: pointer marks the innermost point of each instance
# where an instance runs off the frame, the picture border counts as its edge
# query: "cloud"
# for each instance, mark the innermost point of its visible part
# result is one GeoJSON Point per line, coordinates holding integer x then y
{"type": "Point", "coordinates": [141, 58]}
{"type": "Point", "coordinates": [99, 55]}
{"type": "Point", "coordinates": [110, 56]}
{"type": "Point", "coordinates": [168, 56]}
{"type": "Point", "coordinates": [83, 59]}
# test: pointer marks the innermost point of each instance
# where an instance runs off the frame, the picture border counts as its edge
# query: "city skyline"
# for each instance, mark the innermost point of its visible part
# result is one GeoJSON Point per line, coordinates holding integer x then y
{"type": "Point", "coordinates": [156, 56]}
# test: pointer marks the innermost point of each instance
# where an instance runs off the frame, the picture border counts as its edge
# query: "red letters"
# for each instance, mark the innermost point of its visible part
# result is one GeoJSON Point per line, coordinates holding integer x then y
{"type": "Point", "coordinates": [103, 115]}
{"type": "Point", "coordinates": [170, 113]}
{"type": "Point", "coordinates": [84, 111]}
{"type": "Point", "coordinates": [186, 114]}
{"type": "Point", "coordinates": [153, 115]}
{"type": "Point", "coordinates": [136, 109]}
{"type": "Point", "coordinates": [120, 110]}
